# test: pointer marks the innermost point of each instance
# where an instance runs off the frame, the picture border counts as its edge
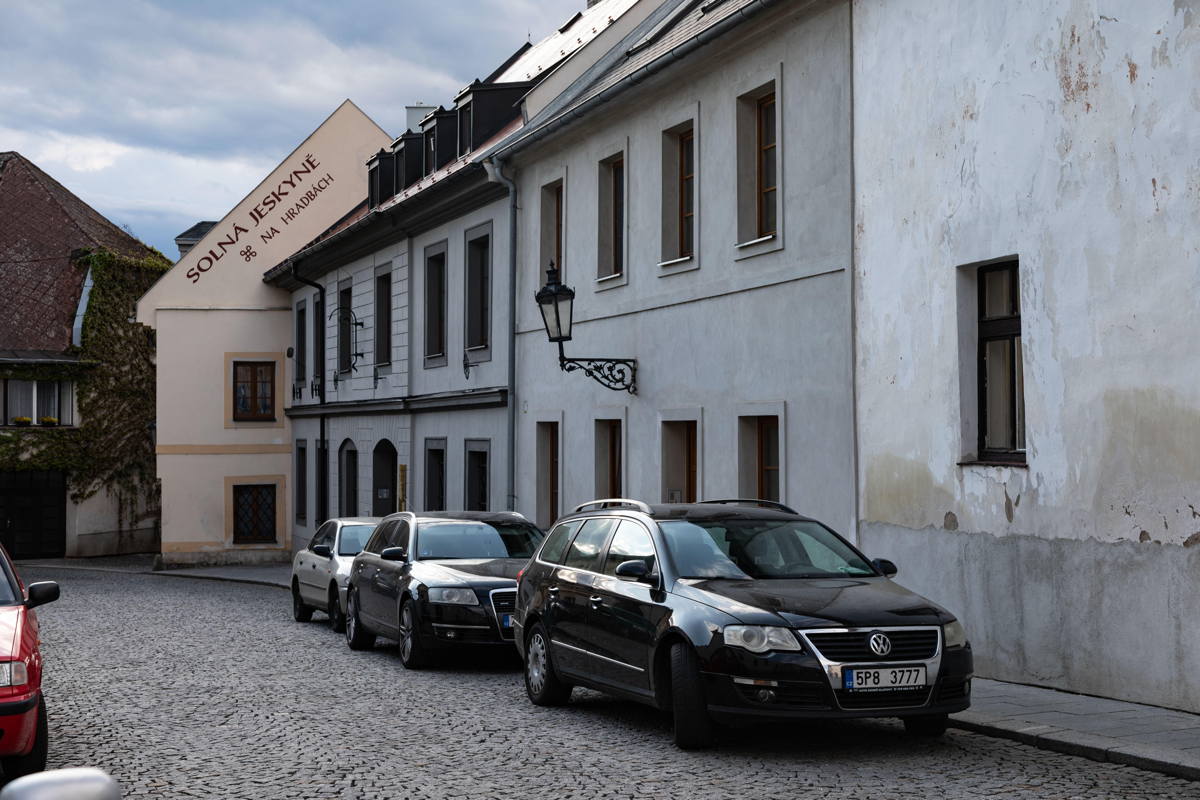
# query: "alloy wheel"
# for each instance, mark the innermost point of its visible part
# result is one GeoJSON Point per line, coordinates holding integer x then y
{"type": "Point", "coordinates": [351, 618]}
{"type": "Point", "coordinates": [406, 632]}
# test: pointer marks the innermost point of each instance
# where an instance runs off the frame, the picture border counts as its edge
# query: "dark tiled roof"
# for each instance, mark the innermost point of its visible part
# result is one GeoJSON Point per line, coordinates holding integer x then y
{"type": "Point", "coordinates": [196, 232]}
{"type": "Point", "coordinates": [41, 225]}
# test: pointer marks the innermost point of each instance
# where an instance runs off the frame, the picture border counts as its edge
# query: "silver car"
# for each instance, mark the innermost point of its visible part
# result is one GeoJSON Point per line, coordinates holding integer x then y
{"type": "Point", "coordinates": [320, 571]}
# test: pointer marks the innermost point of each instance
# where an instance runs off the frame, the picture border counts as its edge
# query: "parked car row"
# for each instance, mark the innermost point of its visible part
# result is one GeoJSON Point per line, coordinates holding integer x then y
{"type": "Point", "coordinates": [728, 611]}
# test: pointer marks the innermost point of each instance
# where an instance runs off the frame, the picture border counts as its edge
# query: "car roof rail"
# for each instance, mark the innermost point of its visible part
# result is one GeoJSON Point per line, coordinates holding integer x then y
{"type": "Point", "coordinates": [612, 502]}
{"type": "Point", "coordinates": [750, 501]}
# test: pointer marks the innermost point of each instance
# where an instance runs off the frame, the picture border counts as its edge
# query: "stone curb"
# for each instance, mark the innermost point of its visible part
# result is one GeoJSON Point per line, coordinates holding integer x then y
{"type": "Point", "coordinates": [162, 572]}
{"type": "Point", "coordinates": [1088, 745]}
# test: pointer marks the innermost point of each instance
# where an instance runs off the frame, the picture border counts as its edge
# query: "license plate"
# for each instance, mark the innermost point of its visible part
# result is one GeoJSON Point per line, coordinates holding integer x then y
{"type": "Point", "coordinates": [506, 620]}
{"type": "Point", "coordinates": [881, 679]}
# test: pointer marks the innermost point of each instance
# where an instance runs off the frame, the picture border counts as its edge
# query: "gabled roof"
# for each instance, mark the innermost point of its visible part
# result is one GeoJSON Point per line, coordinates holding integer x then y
{"type": "Point", "coordinates": [674, 30]}
{"type": "Point", "coordinates": [574, 34]}
{"type": "Point", "coordinates": [42, 225]}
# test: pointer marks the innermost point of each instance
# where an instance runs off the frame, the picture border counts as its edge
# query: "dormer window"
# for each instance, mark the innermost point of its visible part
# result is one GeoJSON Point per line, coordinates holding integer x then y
{"type": "Point", "coordinates": [465, 145]}
{"type": "Point", "coordinates": [430, 152]}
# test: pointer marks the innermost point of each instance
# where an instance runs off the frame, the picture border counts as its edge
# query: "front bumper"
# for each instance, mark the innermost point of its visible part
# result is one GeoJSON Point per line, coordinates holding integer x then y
{"type": "Point", "coordinates": [741, 685]}
{"type": "Point", "coordinates": [446, 625]}
{"type": "Point", "coordinates": [18, 724]}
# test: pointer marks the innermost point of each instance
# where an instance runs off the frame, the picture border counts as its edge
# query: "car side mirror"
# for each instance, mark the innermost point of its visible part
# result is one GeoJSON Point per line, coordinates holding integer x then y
{"type": "Point", "coordinates": [41, 593]}
{"type": "Point", "coordinates": [393, 554]}
{"type": "Point", "coordinates": [322, 550]}
{"type": "Point", "coordinates": [888, 569]}
{"type": "Point", "coordinates": [636, 570]}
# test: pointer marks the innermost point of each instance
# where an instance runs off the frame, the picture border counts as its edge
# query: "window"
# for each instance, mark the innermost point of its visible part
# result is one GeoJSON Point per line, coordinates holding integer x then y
{"type": "Point", "coordinates": [584, 552]}
{"type": "Point", "coordinates": [608, 458]}
{"type": "Point", "coordinates": [46, 403]}
{"type": "Point", "coordinates": [611, 252]}
{"type": "Point", "coordinates": [318, 338]}
{"type": "Point", "coordinates": [254, 514]}
{"type": "Point", "coordinates": [430, 152]}
{"type": "Point", "coordinates": [301, 481]}
{"type": "Point", "coordinates": [757, 165]}
{"type": "Point", "coordinates": [766, 165]}
{"type": "Point", "coordinates": [383, 317]}
{"type": "Point", "coordinates": [547, 470]}
{"type": "Point", "coordinates": [758, 457]}
{"type": "Point", "coordinates": [254, 391]}
{"type": "Point", "coordinates": [476, 482]}
{"type": "Point", "coordinates": [687, 192]}
{"type": "Point", "coordinates": [557, 541]}
{"type": "Point", "coordinates": [301, 358]}
{"type": "Point", "coordinates": [679, 461]}
{"type": "Point", "coordinates": [552, 229]}
{"type": "Point", "coordinates": [478, 293]}
{"type": "Point", "coordinates": [435, 474]}
{"type": "Point", "coordinates": [380, 537]}
{"type": "Point", "coordinates": [347, 480]}
{"type": "Point", "coordinates": [1001, 380]}
{"type": "Point", "coordinates": [435, 306]}
{"type": "Point", "coordinates": [464, 129]}
{"type": "Point", "coordinates": [345, 328]}
{"type": "Point", "coordinates": [631, 542]}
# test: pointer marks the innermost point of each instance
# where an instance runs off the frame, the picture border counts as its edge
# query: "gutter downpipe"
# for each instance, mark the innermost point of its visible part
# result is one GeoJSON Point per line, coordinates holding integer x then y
{"type": "Point", "coordinates": [322, 444]}
{"type": "Point", "coordinates": [495, 172]}
{"type": "Point", "coordinates": [855, 480]}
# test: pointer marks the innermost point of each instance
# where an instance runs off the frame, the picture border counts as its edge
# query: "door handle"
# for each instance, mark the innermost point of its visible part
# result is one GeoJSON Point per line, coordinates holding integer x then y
{"type": "Point", "coordinates": [552, 591]}
{"type": "Point", "coordinates": [596, 601]}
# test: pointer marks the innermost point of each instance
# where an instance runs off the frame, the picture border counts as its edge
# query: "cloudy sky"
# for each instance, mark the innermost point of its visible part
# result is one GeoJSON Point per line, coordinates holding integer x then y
{"type": "Point", "coordinates": [160, 113]}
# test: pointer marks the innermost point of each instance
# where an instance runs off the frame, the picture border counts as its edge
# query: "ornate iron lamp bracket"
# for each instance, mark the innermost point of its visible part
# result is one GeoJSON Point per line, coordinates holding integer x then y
{"type": "Point", "coordinates": [618, 374]}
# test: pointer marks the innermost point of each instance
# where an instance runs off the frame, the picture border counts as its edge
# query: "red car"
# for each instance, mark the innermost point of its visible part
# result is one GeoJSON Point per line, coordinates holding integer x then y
{"type": "Point", "coordinates": [23, 731]}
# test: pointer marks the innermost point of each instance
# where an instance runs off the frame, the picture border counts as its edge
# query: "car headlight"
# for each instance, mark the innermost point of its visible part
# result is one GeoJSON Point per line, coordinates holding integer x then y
{"type": "Point", "coordinates": [13, 673]}
{"type": "Point", "coordinates": [453, 595]}
{"type": "Point", "coordinates": [954, 634]}
{"type": "Point", "coordinates": [760, 638]}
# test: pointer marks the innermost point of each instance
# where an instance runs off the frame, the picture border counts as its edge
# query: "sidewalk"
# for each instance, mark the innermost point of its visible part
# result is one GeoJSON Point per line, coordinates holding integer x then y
{"type": "Point", "coordinates": [1149, 737]}
{"type": "Point", "coordinates": [1142, 736]}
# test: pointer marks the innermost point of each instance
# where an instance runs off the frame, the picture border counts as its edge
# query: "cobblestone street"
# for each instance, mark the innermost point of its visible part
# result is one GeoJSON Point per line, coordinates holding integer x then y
{"type": "Point", "coordinates": [186, 688]}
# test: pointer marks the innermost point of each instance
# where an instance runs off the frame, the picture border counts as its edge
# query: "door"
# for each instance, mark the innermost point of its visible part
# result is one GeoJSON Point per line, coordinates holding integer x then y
{"type": "Point", "coordinates": [312, 573]}
{"type": "Point", "coordinates": [383, 479]}
{"type": "Point", "coordinates": [366, 576]}
{"type": "Point", "coordinates": [570, 588]}
{"type": "Point", "coordinates": [391, 579]}
{"type": "Point", "coordinates": [33, 513]}
{"type": "Point", "coordinates": [623, 615]}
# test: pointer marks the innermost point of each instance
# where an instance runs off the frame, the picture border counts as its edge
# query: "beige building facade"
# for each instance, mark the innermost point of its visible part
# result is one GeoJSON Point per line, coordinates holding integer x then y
{"type": "Point", "coordinates": [223, 442]}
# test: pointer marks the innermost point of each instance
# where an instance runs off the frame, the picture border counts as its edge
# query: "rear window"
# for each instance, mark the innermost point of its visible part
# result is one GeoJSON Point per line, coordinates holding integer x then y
{"type": "Point", "coordinates": [461, 539]}
{"type": "Point", "coordinates": [557, 541]}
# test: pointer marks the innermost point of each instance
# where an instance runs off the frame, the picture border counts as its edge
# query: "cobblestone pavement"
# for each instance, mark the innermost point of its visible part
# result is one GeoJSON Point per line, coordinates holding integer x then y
{"type": "Point", "coordinates": [207, 689]}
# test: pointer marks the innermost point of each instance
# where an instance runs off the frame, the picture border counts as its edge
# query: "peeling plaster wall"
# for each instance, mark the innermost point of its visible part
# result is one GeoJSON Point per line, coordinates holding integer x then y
{"type": "Point", "coordinates": [1064, 133]}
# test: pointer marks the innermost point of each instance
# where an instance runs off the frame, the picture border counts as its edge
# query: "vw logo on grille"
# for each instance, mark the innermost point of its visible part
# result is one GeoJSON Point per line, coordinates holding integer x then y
{"type": "Point", "coordinates": [881, 645]}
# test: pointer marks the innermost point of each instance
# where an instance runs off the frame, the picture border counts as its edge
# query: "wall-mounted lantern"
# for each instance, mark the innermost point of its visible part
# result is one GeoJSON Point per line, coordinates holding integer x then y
{"type": "Point", "coordinates": [557, 304]}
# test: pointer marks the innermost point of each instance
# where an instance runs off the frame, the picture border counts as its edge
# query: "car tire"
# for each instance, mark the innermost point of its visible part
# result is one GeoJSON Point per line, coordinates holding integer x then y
{"type": "Point", "coordinates": [35, 759]}
{"type": "Point", "coordinates": [693, 727]}
{"type": "Point", "coordinates": [928, 725]}
{"type": "Point", "coordinates": [337, 620]}
{"type": "Point", "coordinates": [300, 611]}
{"type": "Point", "coordinates": [357, 637]}
{"type": "Point", "coordinates": [542, 684]}
{"type": "Point", "coordinates": [413, 653]}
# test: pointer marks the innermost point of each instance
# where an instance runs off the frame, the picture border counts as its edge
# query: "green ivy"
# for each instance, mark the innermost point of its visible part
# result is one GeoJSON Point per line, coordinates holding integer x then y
{"type": "Point", "coordinates": [113, 446]}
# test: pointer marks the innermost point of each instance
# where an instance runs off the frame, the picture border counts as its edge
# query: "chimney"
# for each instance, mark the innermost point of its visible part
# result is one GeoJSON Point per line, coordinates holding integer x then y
{"type": "Point", "coordinates": [192, 236]}
{"type": "Point", "coordinates": [416, 113]}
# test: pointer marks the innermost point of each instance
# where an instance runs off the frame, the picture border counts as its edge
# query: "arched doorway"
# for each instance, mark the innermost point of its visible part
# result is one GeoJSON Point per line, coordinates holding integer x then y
{"type": "Point", "coordinates": [347, 479]}
{"type": "Point", "coordinates": [383, 488]}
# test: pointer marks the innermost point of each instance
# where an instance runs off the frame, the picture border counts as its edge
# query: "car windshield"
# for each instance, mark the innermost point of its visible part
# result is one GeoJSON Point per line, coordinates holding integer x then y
{"type": "Point", "coordinates": [353, 538]}
{"type": "Point", "coordinates": [746, 549]}
{"type": "Point", "coordinates": [458, 539]}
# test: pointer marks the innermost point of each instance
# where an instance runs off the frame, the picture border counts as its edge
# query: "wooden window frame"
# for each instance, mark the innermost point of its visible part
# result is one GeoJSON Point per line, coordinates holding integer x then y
{"type": "Point", "coordinates": [240, 490]}
{"type": "Point", "coordinates": [762, 426]}
{"type": "Point", "coordinates": [479, 291]}
{"type": "Point", "coordinates": [686, 144]}
{"type": "Point", "coordinates": [251, 416]}
{"type": "Point", "coordinates": [301, 358]}
{"type": "Point", "coordinates": [615, 477]}
{"type": "Point", "coordinates": [345, 327]}
{"type": "Point", "coordinates": [383, 319]}
{"type": "Point", "coordinates": [617, 178]}
{"type": "Point", "coordinates": [994, 329]}
{"type": "Point", "coordinates": [761, 150]}
{"type": "Point", "coordinates": [301, 481]}
{"type": "Point", "coordinates": [557, 191]}
{"type": "Point", "coordinates": [436, 356]}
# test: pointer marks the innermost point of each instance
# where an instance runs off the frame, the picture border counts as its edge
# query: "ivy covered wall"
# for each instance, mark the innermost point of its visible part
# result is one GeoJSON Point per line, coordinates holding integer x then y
{"type": "Point", "coordinates": [112, 446]}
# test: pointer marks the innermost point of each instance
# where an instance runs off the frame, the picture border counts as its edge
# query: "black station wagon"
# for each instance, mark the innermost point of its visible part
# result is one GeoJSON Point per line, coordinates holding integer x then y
{"type": "Point", "coordinates": [730, 611]}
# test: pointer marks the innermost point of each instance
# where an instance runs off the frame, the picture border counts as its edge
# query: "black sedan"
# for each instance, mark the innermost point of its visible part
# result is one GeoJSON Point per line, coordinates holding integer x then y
{"type": "Point", "coordinates": [437, 581]}
{"type": "Point", "coordinates": [733, 612]}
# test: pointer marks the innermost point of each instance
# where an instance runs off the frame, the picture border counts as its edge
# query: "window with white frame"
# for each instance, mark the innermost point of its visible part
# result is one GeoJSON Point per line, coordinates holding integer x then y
{"type": "Point", "coordinates": [34, 402]}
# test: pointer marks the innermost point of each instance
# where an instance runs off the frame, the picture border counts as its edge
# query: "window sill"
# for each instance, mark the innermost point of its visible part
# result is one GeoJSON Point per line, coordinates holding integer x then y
{"type": "Point", "coordinates": [676, 266]}
{"type": "Point", "coordinates": [256, 421]}
{"type": "Point", "coordinates": [433, 362]}
{"type": "Point", "coordinates": [757, 247]}
{"type": "Point", "coordinates": [992, 462]}
{"type": "Point", "coordinates": [612, 281]}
